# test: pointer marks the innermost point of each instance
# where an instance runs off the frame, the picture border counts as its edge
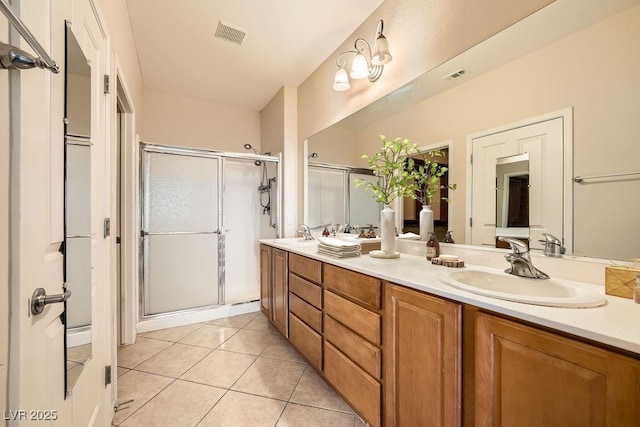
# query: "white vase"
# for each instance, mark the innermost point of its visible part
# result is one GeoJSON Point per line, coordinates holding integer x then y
{"type": "Point", "coordinates": [426, 222]}
{"type": "Point", "coordinates": [388, 230]}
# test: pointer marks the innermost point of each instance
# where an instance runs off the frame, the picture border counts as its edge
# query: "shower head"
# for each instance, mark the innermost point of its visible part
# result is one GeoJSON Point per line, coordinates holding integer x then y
{"type": "Point", "coordinates": [313, 156]}
{"type": "Point", "coordinates": [250, 147]}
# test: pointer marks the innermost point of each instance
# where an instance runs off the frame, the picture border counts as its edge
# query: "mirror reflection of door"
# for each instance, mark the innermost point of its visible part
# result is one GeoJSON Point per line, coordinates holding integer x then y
{"type": "Point", "coordinates": [77, 218]}
{"type": "Point", "coordinates": [439, 204]}
{"type": "Point", "coordinates": [543, 142]}
{"type": "Point", "coordinates": [512, 198]}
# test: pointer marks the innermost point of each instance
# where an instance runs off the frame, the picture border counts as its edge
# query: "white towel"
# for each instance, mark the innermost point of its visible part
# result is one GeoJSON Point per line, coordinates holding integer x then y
{"type": "Point", "coordinates": [337, 243]}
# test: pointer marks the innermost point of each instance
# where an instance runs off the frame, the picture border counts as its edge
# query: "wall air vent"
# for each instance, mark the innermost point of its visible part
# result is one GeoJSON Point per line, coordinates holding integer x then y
{"type": "Point", "coordinates": [230, 33]}
{"type": "Point", "coordinates": [459, 73]}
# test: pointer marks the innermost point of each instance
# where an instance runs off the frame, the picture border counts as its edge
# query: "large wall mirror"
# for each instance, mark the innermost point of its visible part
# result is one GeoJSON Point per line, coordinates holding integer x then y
{"type": "Point", "coordinates": [575, 57]}
{"type": "Point", "coordinates": [77, 208]}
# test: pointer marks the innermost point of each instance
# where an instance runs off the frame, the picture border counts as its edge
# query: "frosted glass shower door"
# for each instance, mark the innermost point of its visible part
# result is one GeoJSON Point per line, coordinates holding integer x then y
{"type": "Point", "coordinates": [327, 195]}
{"type": "Point", "coordinates": [180, 232]}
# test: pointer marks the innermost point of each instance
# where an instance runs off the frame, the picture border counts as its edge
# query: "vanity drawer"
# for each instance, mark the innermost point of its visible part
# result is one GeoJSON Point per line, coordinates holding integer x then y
{"type": "Point", "coordinates": [305, 267]}
{"type": "Point", "coordinates": [362, 392]}
{"type": "Point", "coordinates": [359, 319]}
{"type": "Point", "coordinates": [306, 312]}
{"type": "Point", "coordinates": [365, 289]}
{"type": "Point", "coordinates": [363, 353]}
{"type": "Point", "coordinates": [308, 291]}
{"type": "Point", "coordinates": [306, 341]}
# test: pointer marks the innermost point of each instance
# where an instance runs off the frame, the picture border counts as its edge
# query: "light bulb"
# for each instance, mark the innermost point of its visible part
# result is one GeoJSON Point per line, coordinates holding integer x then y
{"type": "Point", "coordinates": [359, 67]}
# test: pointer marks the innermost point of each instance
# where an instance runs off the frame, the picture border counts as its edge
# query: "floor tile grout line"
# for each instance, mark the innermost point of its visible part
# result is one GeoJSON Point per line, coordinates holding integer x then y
{"type": "Point", "coordinates": [298, 382]}
{"type": "Point", "coordinates": [150, 399]}
{"type": "Point", "coordinates": [214, 405]}
{"type": "Point", "coordinates": [172, 343]}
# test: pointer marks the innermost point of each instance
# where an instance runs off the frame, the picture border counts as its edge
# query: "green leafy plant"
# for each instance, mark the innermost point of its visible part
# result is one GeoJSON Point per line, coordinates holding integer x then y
{"type": "Point", "coordinates": [393, 165]}
{"type": "Point", "coordinates": [426, 177]}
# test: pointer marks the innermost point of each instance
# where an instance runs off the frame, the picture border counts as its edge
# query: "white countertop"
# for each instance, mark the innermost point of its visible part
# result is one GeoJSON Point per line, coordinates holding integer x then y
{"type": "Point", "coordinates": [617, 323]}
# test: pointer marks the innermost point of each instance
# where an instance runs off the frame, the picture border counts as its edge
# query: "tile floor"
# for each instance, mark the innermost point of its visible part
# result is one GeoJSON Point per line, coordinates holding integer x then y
{"type": "Point", "coordinates": [237, 371]}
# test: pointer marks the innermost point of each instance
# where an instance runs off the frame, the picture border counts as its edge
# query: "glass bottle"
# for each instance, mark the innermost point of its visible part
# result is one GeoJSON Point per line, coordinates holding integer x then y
{"type": "Point", "coordinates": [636, 291]}
{"type": "Point", "coordinates": [433, 247]}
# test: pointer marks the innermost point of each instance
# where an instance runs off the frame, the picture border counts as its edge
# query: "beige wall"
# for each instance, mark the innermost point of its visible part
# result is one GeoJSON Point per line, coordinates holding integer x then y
{"type": "Point", "coordinates": [187, 122]}
{"type": "Point", "coordinates": [278, 132]}
{"type": "Point", "coordinates": [335, 145]}
{"type": "Point", "coordinates": [116, 15]}
{"type": "Point", "coordinates": [272, 125]}
{"type": "Point", "coordinates": [4, 224]}
{"type": "Point", "coordinates": [595, 71]}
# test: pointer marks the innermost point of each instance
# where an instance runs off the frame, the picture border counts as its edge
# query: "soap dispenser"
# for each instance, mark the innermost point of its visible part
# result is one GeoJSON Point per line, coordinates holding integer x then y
{"type": "Point", "coordinates": [325, 232]}
{"type": "Point", "coordinates": [433, 247]}
{"type": "Point", "coordinates": [448, 238]}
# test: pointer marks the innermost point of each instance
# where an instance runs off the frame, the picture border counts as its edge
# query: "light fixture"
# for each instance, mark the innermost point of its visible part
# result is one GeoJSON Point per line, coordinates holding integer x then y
{"type": "Point", "coordinates": [363, 66]}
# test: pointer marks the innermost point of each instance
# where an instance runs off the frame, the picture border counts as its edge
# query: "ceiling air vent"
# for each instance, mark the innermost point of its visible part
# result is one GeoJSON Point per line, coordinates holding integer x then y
{"type": "Point", "coordinates": [459, 73]}
{"type": "Point", "coordinates": [230, 33]}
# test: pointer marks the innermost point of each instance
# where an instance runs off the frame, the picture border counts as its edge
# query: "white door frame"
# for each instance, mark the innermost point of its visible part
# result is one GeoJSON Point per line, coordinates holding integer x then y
{"type": "Point", "coordinates": [566, 114]}
{"type": "Point", "coordinates": [129, 206]}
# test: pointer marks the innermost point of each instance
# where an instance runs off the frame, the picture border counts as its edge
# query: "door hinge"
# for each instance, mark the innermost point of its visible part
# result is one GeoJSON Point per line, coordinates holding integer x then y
{"type": "Point", "coordinates": [470, 222]}
{"type": "Point", "coordinates": [107, 227]}
{"type": "Point", "coordinates": [107, 375]}
{"type": "Point", "coordinates": [471, 158]}
{"type": "Point", "coordinates": [107, 87]}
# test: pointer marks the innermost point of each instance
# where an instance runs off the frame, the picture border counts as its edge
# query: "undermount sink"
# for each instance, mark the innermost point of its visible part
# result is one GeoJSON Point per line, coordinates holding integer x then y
{"type": "Point", "coordinates": [548, 292]}
{"type": "Point", "coordinates": [294, 241]}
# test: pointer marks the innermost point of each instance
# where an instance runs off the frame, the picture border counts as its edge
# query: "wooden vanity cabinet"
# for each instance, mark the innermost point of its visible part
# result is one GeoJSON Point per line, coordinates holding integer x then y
{"type": "Point", "coordinates": [396, 354]}
{"type": "Point", "coordinates": [280, 310]}
{"type": "Point", "coordinates": [353, 338]}
{"type": "Point", "coordinates": [305, 308]}
{"type": "Point", "coordinates": [529, 377]}
{"type": "Point", "coordinates": [266, 280]}
{"type": "Point", "coordinates": [422, 353]}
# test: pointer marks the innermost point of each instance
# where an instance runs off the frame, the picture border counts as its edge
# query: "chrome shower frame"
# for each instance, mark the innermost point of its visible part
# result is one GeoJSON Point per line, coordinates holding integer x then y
{"type": "Point", "coordinates": [221, 156]}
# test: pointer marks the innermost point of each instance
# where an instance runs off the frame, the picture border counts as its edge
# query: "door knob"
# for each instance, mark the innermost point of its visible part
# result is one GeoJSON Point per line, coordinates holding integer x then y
{"type": "Point", "coordinates": [40, 299]}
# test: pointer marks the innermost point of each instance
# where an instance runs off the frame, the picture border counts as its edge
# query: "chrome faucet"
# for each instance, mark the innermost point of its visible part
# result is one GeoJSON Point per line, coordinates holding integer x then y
{"type": "Point", "coordinates": [305, 231]}
{"type": "Point", "coordinates": [552, 245]}
{"type": "Point", "coordinates": [520, 260]}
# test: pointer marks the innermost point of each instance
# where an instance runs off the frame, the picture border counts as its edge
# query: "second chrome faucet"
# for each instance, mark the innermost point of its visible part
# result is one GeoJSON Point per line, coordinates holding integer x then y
{"type": "Point", "coordinates": [521, 264]}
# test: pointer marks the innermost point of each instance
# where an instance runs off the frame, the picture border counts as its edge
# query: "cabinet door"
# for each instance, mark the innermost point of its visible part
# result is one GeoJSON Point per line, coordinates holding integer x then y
{"type": "Point", "coordinates": [265, 280]}
{"type": "Point", "coordinates": [528, 377]}
{"type": "Point", "coordinates": [280, 291]}
{"type": "Point", "coordinates": [422, 357]}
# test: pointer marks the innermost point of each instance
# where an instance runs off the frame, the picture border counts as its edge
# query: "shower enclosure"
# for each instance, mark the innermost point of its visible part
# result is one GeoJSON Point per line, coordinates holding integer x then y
{"type": "Point", "coordinates": [202, 213]}
{"type": "Point", "coordinates": [333, 197]}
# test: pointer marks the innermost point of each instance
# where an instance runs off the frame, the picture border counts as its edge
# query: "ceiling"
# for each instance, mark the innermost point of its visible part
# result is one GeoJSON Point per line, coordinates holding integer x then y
{"type": "Point", "coordinates": [286, 40]}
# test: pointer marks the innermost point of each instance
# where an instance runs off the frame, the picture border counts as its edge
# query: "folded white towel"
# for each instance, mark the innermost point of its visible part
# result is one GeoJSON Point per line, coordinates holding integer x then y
{"type": "Point", "coordinates": [408, 235]}
{"type": "Point", "coordinates": [337, 243]}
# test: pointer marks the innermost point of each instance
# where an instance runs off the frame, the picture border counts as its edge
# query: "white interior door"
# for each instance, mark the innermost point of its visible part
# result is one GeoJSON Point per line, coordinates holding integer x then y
{"type": "Point", "coordinates": [544, 142]}
{"type": "Point", "coordinates": [37, 364]}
